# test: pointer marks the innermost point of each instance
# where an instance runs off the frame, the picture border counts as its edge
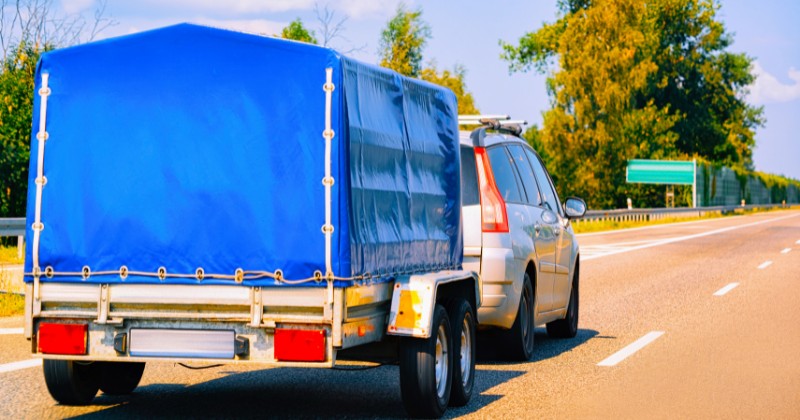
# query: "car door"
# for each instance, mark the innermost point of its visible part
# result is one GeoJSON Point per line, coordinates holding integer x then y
{"type": "Point", "coordinates": [540, 232]}
{"type": "Point", "coordinates": [564, 237]}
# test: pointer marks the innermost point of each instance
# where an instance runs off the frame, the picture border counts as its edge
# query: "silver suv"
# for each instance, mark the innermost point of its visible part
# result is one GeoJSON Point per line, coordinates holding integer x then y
{"type": "Point", "coordinates": [518, 237]}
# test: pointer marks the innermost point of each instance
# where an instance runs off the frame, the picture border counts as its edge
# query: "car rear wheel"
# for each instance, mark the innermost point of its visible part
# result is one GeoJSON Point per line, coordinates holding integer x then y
{"type": "Point", "coordinates": [518, 341]}
{"type": "Point", "coordinates": [568, 327]}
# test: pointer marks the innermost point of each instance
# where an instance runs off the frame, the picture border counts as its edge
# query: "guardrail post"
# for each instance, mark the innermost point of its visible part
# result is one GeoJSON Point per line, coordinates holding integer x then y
{"type": "Point", "coordinates": [20, 245]}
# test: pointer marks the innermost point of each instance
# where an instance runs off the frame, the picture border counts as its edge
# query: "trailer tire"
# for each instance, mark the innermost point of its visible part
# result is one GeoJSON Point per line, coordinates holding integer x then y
{"type": "Point", "coordinates": [70, 382]}
{"type": "Point", "coordinates": [426, 369]}
{"type": "Point", "coordinates": [120, 378]}
{"type": "Point", "coordinates": [462, 317]}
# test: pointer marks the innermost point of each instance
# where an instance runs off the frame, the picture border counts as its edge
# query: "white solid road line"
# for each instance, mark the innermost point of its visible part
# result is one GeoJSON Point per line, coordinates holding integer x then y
{"type": "Point", "coordinates": [25, 364]}
{"type": "Point", "coordinates": [685, 238]}
{"type": "Point", "coordinates": [786, 250]}
{"type": "Point", "coordinates": [764, 265]}
{"type": "Point", "coordinates": [726, 289]}
{"type": "Point", "coordinates": [4, 331]}
{"type": "Point", "coordinates": [631, 349]}
{"type": "Point", "coordinates": [798, 242]}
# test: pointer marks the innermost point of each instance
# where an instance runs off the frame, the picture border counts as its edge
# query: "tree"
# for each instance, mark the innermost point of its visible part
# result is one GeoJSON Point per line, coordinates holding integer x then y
{"type": "Point", "coordinates": [626, 80]}
{"type": "Point", "coordinates": [28, 28]}
{"type": "Point", "coordinates": [454, 81]}
{"type": "Point", "coordinates": [401, 50]}
{"type": "Point", "coordinates": [296, 31]}
{"type": "Point", "coordinates": [403, 40]}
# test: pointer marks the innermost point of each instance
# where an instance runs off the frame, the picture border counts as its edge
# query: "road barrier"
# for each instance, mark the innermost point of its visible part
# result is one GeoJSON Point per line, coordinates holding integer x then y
{"type": "Point", "coordinates": [646, 215]}
{"type": "Point", "coordinates": [14, 226]}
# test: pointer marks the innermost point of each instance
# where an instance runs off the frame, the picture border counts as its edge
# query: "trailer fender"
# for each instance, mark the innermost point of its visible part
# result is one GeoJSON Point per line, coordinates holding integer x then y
{"type": "Point", "coordinates": [414, 299]}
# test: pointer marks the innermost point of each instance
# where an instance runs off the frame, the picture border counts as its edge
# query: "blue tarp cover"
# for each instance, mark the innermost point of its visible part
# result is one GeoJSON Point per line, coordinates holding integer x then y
{"type": "Point", "coordinates": [188, 147]}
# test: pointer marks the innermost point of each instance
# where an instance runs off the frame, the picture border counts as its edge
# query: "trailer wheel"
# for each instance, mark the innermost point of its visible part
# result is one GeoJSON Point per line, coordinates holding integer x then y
{"type": "Point", "coordinates": [463, 318]}
{"type": "Point", "coordinates": [70, 382]}
{"type": "Point", "coordinates": [425, 369]}
{"type": "Point", "coordinates": [120, 378]}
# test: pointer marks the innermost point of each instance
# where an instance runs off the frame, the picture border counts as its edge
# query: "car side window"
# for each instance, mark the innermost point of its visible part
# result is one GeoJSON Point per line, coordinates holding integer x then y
{"type": "Point", "coordinates": [504, 175]}
{"type": "Point", "coordinates": [469, 178]}
{"type": "Point", "coordinates": [545, 184]}
{"type": "Point", "coordinates": [526, 174]}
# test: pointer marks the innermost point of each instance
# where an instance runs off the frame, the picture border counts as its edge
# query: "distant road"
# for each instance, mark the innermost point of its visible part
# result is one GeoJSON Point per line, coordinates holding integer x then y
{"type": "Point", "coordinates": [689, 320]}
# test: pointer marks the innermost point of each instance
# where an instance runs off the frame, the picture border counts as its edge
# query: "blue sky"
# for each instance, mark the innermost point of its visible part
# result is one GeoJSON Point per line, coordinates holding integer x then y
{"type": "Point", "coordinates": [468, 33]}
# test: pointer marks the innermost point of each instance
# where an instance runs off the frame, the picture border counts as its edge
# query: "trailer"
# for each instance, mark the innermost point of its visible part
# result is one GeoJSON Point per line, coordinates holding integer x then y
{"type": "Point", "coordinates": [208, 196]}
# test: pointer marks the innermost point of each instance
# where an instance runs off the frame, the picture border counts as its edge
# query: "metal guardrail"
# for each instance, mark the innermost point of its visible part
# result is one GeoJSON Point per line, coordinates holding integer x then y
{"type": "Point", "coordinates": [621, 215]}
{"type": "Point", "coordinates": [14, 226]}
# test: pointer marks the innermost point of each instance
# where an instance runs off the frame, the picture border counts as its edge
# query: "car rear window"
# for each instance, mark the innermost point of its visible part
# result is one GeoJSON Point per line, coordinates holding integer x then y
{"type": "Point", "coordinates": [504, 174]}
{"type": "Point", "coordinates": [470, 195]}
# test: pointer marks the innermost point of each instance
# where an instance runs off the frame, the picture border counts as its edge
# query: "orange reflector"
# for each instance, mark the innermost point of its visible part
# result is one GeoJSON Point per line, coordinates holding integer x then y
{"type": "Point", "coordinates": [362, 330]}
{"type": "Point", "coordinates": [300, 345]}
{"type": "Point", "coordinates": [62, 338]}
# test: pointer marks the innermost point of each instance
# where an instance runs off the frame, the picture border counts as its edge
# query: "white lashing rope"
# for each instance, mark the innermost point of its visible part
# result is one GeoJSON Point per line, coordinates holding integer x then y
{"type": "Point", "coordinates": [41, 136]}
{"type": "Point", "coordinates": [328, 180]}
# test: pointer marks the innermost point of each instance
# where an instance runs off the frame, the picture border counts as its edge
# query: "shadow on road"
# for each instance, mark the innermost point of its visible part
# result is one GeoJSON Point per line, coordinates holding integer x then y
{"type": "Point", "coordinates": [545, 347]}
{"type": "Point", "coordinates": [285, 393]}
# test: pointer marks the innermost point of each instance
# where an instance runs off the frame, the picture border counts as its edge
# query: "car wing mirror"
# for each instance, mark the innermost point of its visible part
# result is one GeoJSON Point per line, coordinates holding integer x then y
{"type": "Point", "coordinates": [574, 208]}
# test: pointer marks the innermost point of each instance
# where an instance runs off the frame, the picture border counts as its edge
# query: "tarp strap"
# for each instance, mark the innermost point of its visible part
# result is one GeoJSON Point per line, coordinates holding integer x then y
{"type": "Point", "coordinates": [41, 136]}
{"type": "Point", "coordinates": [328, 134]}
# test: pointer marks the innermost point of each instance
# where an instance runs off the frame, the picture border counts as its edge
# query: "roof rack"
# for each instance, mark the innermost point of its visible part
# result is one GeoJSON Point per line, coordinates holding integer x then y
{"type": "Point", "coordinates": [498, 122]}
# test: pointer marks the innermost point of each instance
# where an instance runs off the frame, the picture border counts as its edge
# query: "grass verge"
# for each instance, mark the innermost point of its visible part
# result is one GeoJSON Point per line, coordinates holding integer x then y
{"type": "Point", "coordinates": [11, 304]}
{"type": "Point", "coordinates": [8, 255]}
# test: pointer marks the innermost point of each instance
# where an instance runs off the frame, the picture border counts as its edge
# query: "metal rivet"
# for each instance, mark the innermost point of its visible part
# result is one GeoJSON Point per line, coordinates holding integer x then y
{"type": "Point", "coordinates": [86, 272]}
{"type": "Point", "coordinates": [238, 275]}
{"type": "Point", "coordinates": [200, 274]}
{"type": "Point", "coordinates": [48, 272]}
{"type": "Point", "coordinates": [279, 274]}
{"type": "Point", "coordinates": [162, 272]}
{"type": "Point", "coordinates": [123, 272]}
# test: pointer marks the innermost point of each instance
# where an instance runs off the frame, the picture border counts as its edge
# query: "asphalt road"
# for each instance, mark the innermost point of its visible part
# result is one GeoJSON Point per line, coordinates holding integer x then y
{"type": "Point", "coordinates": [708, 349]}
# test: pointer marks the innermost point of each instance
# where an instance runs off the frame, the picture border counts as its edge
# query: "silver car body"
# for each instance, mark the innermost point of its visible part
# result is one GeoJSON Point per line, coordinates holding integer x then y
{"type": "Point", "coordinates": [540, 241]}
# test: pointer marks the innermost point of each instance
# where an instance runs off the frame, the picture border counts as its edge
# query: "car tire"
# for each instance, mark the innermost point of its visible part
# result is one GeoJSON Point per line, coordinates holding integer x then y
{"type": "Point", "coordinates": [462, 317]}
{"type": "Point", "coordinates": [518, 342]}
{"type": "Point", "coordinates": [120, 378]}
{"type": "Point", "coordinates": [568, 327]}
{"type": "Point", "coordinates": [70, 382]}
{"type": "Point", "coordinates": [426, 369]}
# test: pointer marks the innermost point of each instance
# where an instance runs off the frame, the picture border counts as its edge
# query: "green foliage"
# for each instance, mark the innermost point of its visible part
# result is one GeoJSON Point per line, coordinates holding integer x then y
{"type": "Point", "coordinates": [403, 40]}
{"type": "Point", "coordinates": [454, 81]}
{"type": "Point", "coordinates": [636, 79]}
{"type": "Point", "coordinates": [296, 31]}
{"type": "Point", "coordinates": [16, 109]}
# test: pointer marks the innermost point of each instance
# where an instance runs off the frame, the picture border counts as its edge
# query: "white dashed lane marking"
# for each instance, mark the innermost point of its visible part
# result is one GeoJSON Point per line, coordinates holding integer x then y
{"type": "Point", "coordinates": [726, 289]}
{"type": "Point", "coordinates": [786, 250]}
{"type": "Point", "coordinates": [25, 364]}
{"type": "Point", "coordinates": [4, 331]}
{"type": "Point", "coordinates": [631, 349]}
{"type": "Point", "coordinates": [764, 265]}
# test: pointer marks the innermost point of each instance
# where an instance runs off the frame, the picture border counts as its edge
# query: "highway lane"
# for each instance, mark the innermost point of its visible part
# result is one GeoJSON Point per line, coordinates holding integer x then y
{"type": "Point", "coordinates": [732, 355]}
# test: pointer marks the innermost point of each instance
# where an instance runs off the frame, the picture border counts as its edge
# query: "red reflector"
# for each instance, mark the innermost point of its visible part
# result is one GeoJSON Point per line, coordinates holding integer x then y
{"type": "Point", "coordinates": [63, 338]}
{"type": "Point", "coordinates": [300, 345]}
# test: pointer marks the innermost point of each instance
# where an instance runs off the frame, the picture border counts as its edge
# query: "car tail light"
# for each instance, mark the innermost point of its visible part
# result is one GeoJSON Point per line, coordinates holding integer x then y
{"type": "Point", "coordinates": [493, 207]}
{"type": "Point", "coordinates": [62, 338]}
{"type": "Point", "coordinates": [300, 345]}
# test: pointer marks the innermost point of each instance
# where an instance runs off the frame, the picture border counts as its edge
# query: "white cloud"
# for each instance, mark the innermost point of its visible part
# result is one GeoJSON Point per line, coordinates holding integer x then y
{"type": "Point", "coordinates": [229, 7]}
{"type": "Point", "coordinates": [253, 26]}
{"type": "Point", "coordinates": [76, 6]}
{"type": "Point", "coordinates": [768, 89]}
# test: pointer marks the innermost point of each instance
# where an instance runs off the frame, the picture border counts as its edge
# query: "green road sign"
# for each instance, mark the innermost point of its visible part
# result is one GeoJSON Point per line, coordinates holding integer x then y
{"type": "Point", "coordinates": [643, 171]}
